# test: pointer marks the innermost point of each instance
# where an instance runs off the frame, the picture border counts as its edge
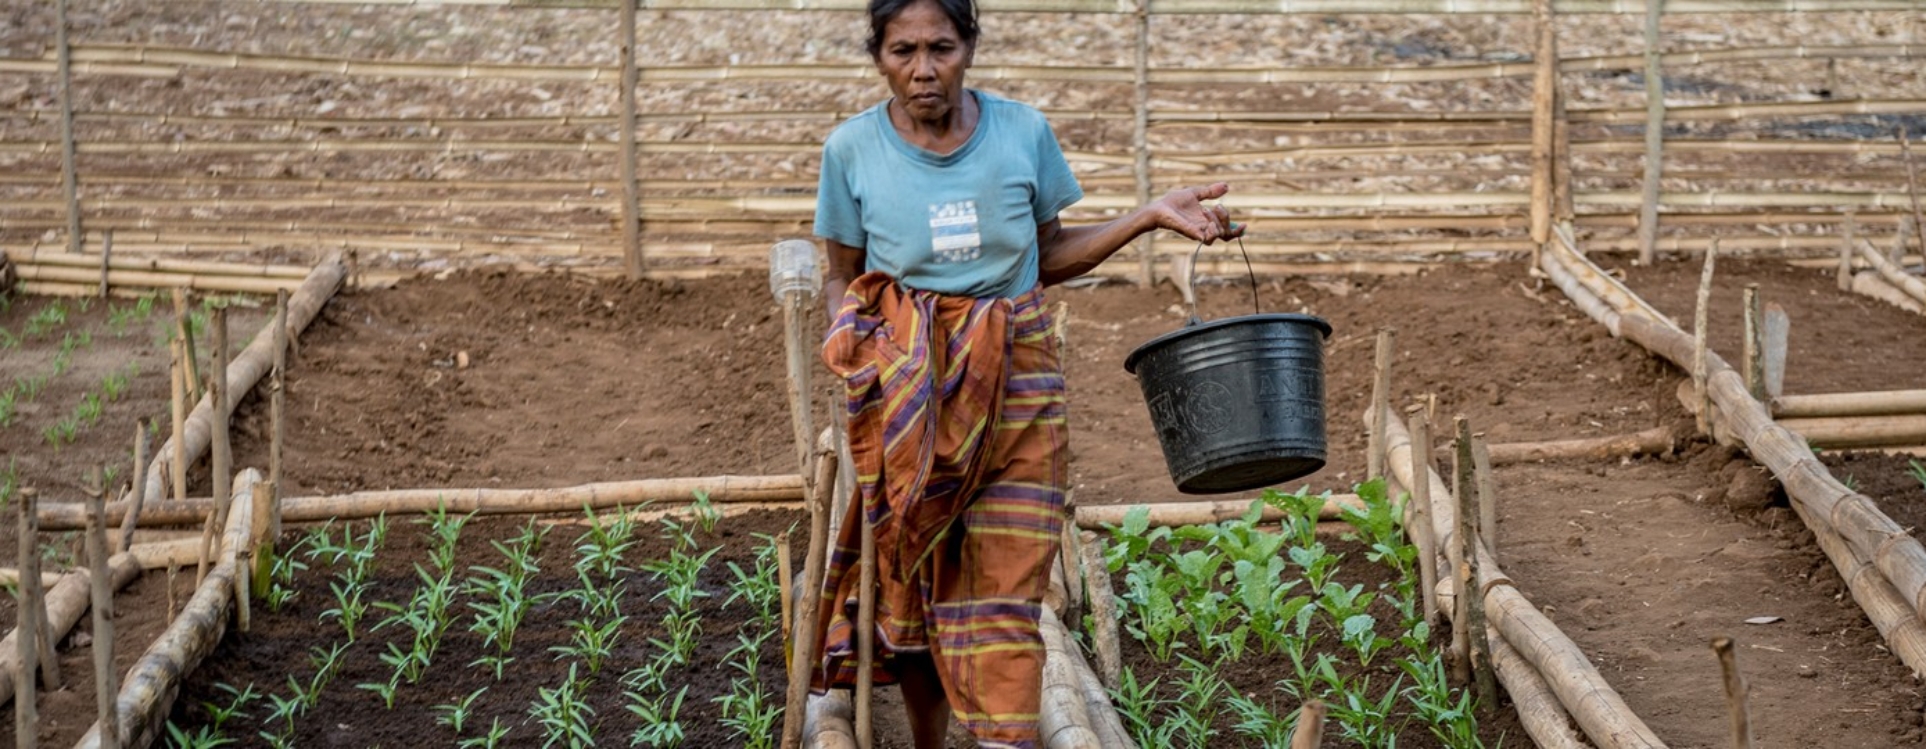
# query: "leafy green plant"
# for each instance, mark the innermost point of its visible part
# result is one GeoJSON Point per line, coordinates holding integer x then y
{"type": "Point", "coordinates": [210, 735]}
{"type": "Point", "coordinates": [493, 738]}
{"type": "Point", "coordinates": [455, 714]}
{"type": "Point", "coordinates": [706, 514]}
{"type": "Point", "coordinates": [601, 548]}
{"type": "Point", "coordinates": [661, 724]}
{"type": "Point", "coordinates": [564, 714]}
{"type": "Point", "coordinates": [1918, 472]}
{"type": "Point", "coordinates": [1137, 705]}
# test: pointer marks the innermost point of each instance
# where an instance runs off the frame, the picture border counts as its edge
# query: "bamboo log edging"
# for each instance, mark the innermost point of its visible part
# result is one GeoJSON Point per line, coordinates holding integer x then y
{"type": "Point", "coordinates": [66, 601]}
{"type": "Point", "coordinates": [1064, 716]}
{"type": "Point", "coordinates": [1871, 403]}
{"type": "Point", "coordinates": [1648, 442]}
{"type": "Point", "coordinates": [161, 265]}
{"type": "Point", "coordinates": [1590, 700]}
{"type": "Point", "coordinates": [1104, 641]}
{"type": "Point", "coordinates": [1544, 719]}
{"type": "Point", "coordinates": [1827, 505]}
{"type": "Point", "coordinates": [1197, 512]}
{"type": "Point", "coordinates": [1871, 284]}
{"type": "Point", "coordinates": [1840, 432]}
{"type": "Point", "coordinates": [149, 688]}
{"type": "Point", "coordinates": [827, 723]}
{"type": "Point", "coordinates": [1898, 277]}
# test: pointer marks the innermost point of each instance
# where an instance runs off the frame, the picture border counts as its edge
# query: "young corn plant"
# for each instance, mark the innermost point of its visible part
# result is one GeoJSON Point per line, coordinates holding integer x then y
{"type": "Point", "coordinates": [601, 549]}
{"type": "Point", "coordinates": [496, 734]}
{"type": "Point", "coordinates": [1137, 705]}
{"type": "Point", "coordinates": [456, 714]}
{"type": "Point", "coordinates": [590, 642]}
{"type": "Point", "coordinates": [661, 723]}
{"type": "Point", "coordinates": [501, 594]}
{"type": "Point", "coordinates": [211, 735]}
{"type": "Point", "coordinates": [746, 709]}
{"type": "Point", "coordinates": [564, 714]}
{"type": "Point", "coordinates": [706, 514]}
{"type": "Point", "coordinates": [758, 587]}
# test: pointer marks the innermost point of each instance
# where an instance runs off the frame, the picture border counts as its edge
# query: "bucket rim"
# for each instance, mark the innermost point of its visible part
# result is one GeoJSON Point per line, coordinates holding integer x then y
{"type": "Point", "coordinates": [1137, 355]}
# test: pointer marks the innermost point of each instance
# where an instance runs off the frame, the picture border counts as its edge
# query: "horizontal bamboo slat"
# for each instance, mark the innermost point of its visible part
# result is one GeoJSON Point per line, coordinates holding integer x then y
{"type": "Point", "coordinates": [1876, 403]}
{"type": "Point", "coordinates": [38, 273]}
{"type": "Point", "coordinates": [70, 260]}
{"type": "Point", "coordinates": [1447, 7]}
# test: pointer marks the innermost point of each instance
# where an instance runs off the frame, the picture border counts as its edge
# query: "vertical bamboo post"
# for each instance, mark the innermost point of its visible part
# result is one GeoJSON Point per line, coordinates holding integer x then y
{"type": "Point", "coordinates": [1846, 252]}
{"type": "Point", "coordinates": [1543, 100]}
{"type": "Point", "coordinates": [1487, 496]}
{"type": "Point", "coordinates": [69, 158]}
{"type": "Point", "coordinates": [796, 354]}
{"type": "Point", "coordinates": [1380, 403]}
{"type": "Point", "coordinates": [220, 456]}
{"type": "Point", "coordinates": [185, 330]}
{"type": "Point", "coordinates": [1425, 535]}
{"type": "Point", "coordinates": [1752, 349]}
{"type": "Point", "coordinates": [173, 572]}
{"type": "Point", "coordinates": [1898, 253]}
{"type": "Point", "coordinates": [631, 197]}
{"type": "Point", "coordinates": [26, 720]}
{"type": "Point", "coordinates": [785, 573]}
{"type": "Point", "coordinates": [277, 428]}
{"type": "Point", "coordinates": [1736, 693]}
{"type": "Point", "coordinates": [137, 494]}
{"type": "Point", "coordinates": [866, 635]}
{"type": "Point", "coordinates": [177, 466]}
{"type": "Point", "coordinates": [1698, 339]}
{"type": "Point", "coordinates": [802, 660]}
{"type": "Point", "coordinates": [1654, 136]}
{"type": "Point", "coordinates": [105, 689]}
{"type": "Point", "coordinates": [1912, 193]}
{"type": "Point", "coordinates": [1309, 732]}
{"type": "Point", "coordinates": [1455, 554]}
{"type": "Point", "coordinates": [1140, 143]}
{"type": "Point", "coordinates": [106, 259]}
{"type": "Point", "coordinates": [1471, 599]}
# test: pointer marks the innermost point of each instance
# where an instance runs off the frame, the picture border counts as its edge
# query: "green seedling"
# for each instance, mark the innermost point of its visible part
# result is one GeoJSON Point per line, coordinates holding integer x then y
{"type": "Point", "coordinates": [591, 643]}
{"type": "Point", "coordinates": [455, 714]}
{"type": "Point", "coordinates": [564, 714]}
{"type": "Point", "coordinates": [706, 514]}
{"type": "Point", "coordinates": [661, 725]}
{"type": "Point", "coordinates": [490, 740]}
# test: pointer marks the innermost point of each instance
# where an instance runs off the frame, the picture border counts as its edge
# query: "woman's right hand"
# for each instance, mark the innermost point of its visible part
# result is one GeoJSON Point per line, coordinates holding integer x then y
{"type": "Point", "coordinates": [1183, 211]}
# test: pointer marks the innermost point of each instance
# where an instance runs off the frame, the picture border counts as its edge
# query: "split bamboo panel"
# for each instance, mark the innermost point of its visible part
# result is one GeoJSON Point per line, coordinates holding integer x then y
{"type": "Point", "coordinates": [148, 691]}
{"type": "Point", "coordinates": [1577, 685]}
{"type": "Point", "coordinates": [66, 601]}
{"type": "Point", "coordinates": [1830, 507]}
{"type": "Point", "coordinates": [41, 273]}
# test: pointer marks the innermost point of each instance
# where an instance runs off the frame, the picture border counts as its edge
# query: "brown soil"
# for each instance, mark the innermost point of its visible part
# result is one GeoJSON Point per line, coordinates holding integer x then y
{"type": "Point", "coordinates": [1640, 561]}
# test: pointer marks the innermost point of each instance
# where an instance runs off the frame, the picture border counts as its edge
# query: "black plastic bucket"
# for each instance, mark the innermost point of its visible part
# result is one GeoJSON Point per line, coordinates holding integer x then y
{"type": "Point", "coordinates": [1238, 403]}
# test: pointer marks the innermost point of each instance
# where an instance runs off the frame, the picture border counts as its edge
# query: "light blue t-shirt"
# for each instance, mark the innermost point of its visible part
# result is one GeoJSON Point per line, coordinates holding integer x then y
{"type": "Point", "coordinates": [964, 223]}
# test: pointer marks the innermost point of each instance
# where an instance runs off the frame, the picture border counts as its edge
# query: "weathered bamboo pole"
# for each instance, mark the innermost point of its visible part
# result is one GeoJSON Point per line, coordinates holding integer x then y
{"type": "Point", "coordinates": [1140, 138]}
{"type": "Point", "coordinates": [1883, 604]}
{"type": "Point", "coordinates": [223, 452]}
{"type": "Point", "coordinates": [1064, 715]}
{"type": "Point", "coordinates": [1544, 98]}
{"type": "Point", "coordinates": [1648, 442]}
{"type": "Point", "coordinates": [786, 575]}
{"type": "Point", "coordinates": [26, 635]}
{"type": "Point", "coordinates": [1648, 219]}
{"type": "Point", "coordinates": [277, 424]}
{"type": "Point", "coordinates": [1477, 648]}
{"type": "Point", "coordinates": [10, 576]}
{"type": "Point", "coordinates": [631, 191]}
{"type": "Point", "coordinates": [1846, 253]}
{"type": "Point", "coordinates": [105, 675]}
{"type": "Point", "coordinates": [1700, 315]}
{"type": "Point", "coordinates": [1103, 611]}
{"type": "Point", "coordinates": [865, 633]}
{"type": "Point", "coordinates": [175, 469]}
{"type": "Point", "coordinates": [1380, 402]}
{"type": "Point", "coordinates": [1204, 512]}
{"type": "Point", "coordinates": [826, 724]}
{"type": "Point", "coordinates": [185, 332]}
{"type": "Point", "coordinates": [1870, 283]}
{"type": "Point", "coordinates": [1423, 533]}
{"type": "Point", "coordinates": [1487, 499]}
{"type": "Point", "coordinates": [162, 265]}
{"type": "Point", "coordinates": [138, 279]}
{"type": "Point", "coordinates": [1736, 692]}
{"type": "Point", "coordinates": [1104, 720]}
{"type": "Point", "coordinates": [106, 253]}
{"type": "Point", "coordinates": [571, 499]}
{"type": "Point", "coordinates": [131, 518]}
{"type": "Point", "coordinates": [803, 660]}
{"type": "Point", "coordinates": [1874, 403]}
{"type": "Point", "coordinates": [65, 601]}
{"type": "Point", "coordinates": [1838, 432]}
{"type": "Point", "coordinates": [69, 159]}
{"type": "Point", "coordinates": [1893, 274]}
{"type": "Point", "coordinates": [796, 357]}
{"type": "Point", "coordinates": [150, 687]}
{"type": "Point", "coordinates": [1544, 719]}
{"type": "Point", "coordinates": [1912, 191]}
{"type": "Point", "coordinates": [1309, 731]}
{"type": "Point", "coordinates": [1752, 348]}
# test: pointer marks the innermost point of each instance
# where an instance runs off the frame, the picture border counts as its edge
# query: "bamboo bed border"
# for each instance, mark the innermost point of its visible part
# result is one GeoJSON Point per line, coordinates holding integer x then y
{"type": "Point", "coordinates": [1855, 535]}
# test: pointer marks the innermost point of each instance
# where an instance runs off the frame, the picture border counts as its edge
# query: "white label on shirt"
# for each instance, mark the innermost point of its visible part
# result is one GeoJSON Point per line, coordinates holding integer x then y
{"type": "Point", "coordinates": [954, 237]}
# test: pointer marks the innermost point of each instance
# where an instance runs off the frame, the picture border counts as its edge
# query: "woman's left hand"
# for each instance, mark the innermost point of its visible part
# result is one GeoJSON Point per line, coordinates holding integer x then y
{"type": "Point", "coordinates": [1183, 211]}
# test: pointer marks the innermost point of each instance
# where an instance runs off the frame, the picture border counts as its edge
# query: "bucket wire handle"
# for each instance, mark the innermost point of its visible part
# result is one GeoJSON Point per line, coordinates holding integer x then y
{"type": "Point", "coordinates": [1252, 274]}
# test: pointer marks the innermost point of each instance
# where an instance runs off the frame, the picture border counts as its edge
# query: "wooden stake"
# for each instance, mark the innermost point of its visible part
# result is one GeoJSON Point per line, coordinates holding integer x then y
{"type": "Point", "coordinates": [1487, 497]}
{"type": "Point", "coordinates": [631, 197]}
{"type": "Point", "coordinates": [865, 632]}
{"type": "Point", "coordinates": [26, 720]}
{"type": "Point", "coordinates": [173, 572]}
{"type": "Point", "coordinates": [1648, 442]}
{"type": "Point", "coordinates": [69, 161]}
{"type": "Point", "coordinates": [207, 551]}
{"type": "Point", "coordinates": [1698, 340]}
{"type": "Point", "coordinates": [1846, 251]}
{"type": "Point", "coordinates": [277, 393]}
{"type": "Point", "coordinates": [1736, 692]}
{"type": "Point", "coordinates": [1777, 328]}
{"type": "Point", "coordinates": [796, 354]}
{"type": "Point", "coordinates": [105, 688]}
{"type": "Point", "coordinates": [135, 493]}
{"type": "Point", "coordinates": [184, 329]}
{"type": "Point", "coordinates": [1648, 221]}
{"type": "Point", "coordinates": [1380, 403]}
{"type": "Point", "coordinates": [1309, 732]}
{"type": "Point", "coordinates": [786, 574]}
{"type": "Point", "coordinates": [1103, 611]}
{"type": "Point", "coordinates": [802, 663]}
{"type": "Point", "coordinates": [1912, 193]}
{"type": "Point", "coordinates": [222, 455]}
{"type": "Point", "coordinates": [177, 467]}
{"type": "Point", "coordinates": [1752, 352]}
{"type": "Point", "coordinates": [1424, 534]}
{"type": "Point", "coordinates": [1140, 145]}
{"type": "Point", "coordinates": [106, 257]}
{"type": "Point", "coordinates": [1544, 98]}
{"type": "Point", "coordinates": [1471, 599]}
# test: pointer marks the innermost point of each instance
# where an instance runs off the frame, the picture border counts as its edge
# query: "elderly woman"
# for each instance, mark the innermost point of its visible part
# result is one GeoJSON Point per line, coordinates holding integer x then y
{"type": "Point", "coordinates": [939, 208]}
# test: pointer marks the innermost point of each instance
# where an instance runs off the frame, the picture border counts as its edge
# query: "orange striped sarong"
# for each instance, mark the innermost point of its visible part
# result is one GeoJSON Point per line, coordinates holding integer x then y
{"type": "Point", "coordinates": [956, 422]}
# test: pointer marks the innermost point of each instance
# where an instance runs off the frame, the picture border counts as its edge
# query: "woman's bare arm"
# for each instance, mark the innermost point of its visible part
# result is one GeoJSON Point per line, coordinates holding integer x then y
{"type": "Point", "coordinates": [1064, 253]}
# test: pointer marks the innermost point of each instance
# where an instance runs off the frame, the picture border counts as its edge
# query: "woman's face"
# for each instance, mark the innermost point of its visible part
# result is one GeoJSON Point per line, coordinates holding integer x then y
{"type": "Point", "coordinates": [923, 58]}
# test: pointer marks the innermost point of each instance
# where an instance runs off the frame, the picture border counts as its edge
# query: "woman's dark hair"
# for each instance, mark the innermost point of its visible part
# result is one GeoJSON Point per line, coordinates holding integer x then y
{"type": "Point", "coordinates": [962, 15]}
